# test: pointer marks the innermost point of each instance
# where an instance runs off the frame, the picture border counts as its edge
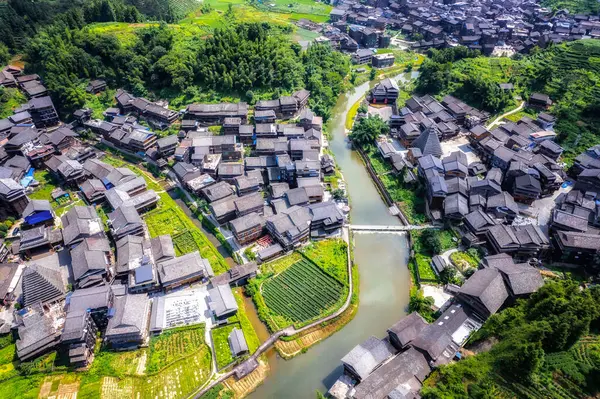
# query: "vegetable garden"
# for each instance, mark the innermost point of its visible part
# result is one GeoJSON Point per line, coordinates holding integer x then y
{"type": "Point", "coordinates": [302, 292]}
{"type": "Point", "coordinates": [174, 345]}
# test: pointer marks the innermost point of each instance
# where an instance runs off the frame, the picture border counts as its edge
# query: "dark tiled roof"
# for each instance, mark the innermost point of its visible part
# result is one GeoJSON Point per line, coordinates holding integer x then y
{"type": "Point", "coordinates": [488, 286]}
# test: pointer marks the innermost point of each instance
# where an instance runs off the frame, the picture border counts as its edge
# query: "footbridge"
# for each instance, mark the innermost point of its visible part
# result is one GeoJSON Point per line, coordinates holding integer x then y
{"type": "Point", "coordinates": [363, 228]}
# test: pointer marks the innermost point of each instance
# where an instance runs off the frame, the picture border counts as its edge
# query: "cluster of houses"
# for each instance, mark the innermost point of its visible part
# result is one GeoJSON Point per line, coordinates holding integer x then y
{"type": "Point", "coordinates": [516, 174]}
{"type": "Point", "coordinates": [488, 26]}
{"type": "Point", "coordinates": [93, 269]}
{"type": "Point", "coordinates": [397, 365]}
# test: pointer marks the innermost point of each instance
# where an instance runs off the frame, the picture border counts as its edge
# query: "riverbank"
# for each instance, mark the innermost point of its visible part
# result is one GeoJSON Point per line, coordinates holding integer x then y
{"type": "Point", "coordinates": [383, 288]}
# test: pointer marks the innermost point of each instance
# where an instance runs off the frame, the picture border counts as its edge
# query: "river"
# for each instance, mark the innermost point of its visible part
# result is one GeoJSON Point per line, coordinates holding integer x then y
{"type": "Point", "coordinates": [384, 278]}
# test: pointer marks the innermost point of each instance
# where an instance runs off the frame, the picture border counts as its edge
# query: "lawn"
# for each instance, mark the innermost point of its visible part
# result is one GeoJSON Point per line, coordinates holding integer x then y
{"type": "Point", "coordinates": [331, 256]}
{"type": "Point", "coordinates": [173, 345]}
{"type": "Point", "coordinates": [351, 115]}
{"type": "Point", "coordinates": [426, 272]}
{"type": "Point", "coordinates": [47, 184]}
{"type": "Point", "coordinates": [221, 344]}
{"type": "Point", "coordinates": [301, 293]}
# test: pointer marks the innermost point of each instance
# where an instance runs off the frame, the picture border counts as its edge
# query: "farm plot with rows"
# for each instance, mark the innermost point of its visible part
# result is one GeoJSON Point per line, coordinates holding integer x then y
{"type": "Point", "coordinates": [302, 292]}
{"type": "Point", "coordinates": [174, 345]}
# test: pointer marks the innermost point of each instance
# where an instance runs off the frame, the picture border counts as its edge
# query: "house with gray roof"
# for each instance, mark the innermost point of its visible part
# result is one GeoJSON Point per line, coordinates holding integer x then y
{"type": "Point", "coordinates": [291, 226]}
{"type": "Point", "coordinates": [93, 190]}
{"type": "Point", "coordinates": [217, 191]}
{"type": "Point", "coordinates": [162, 248]}
{"type": "Point", "coordinates": [484, 291]}
{"type": "Point", "coordinates": [407, 329]}
{"type": "Point", "coordinates": [128, 326]}
{"type": "Point", "coordinates": [400, 378]}
{"type": "Point", "coordinates": [42, 281]}
{"type": "Point", "coordinates": [237, 342]}
{"type": "Point", "coordinates": [37, 334]}
{"type": "Point", "coordinates": [520, 278]}
{"type": "Point", "coordinates": [366, 357]}
{"type": "Point", "coordinates": [81, 222]}
{"type": "Point", "coordinates": [222, 302]}
{"type": "Point", "coordinates": [248, 228]}
{"type": "Point", "coordinates": [91, 262]}
{"type": "Point", "coordinates": [125, 221]}
{"type": "Point", "coordinates": [326, 218]}
{"type": "Point", "coordinates": [183, 270]}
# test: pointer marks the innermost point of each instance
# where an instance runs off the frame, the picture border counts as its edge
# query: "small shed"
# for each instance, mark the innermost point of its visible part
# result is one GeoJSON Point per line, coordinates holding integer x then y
{"type": "Point", "coordinates": [438, 263]}
{"type": "Point", "coordinates": [237, 342]}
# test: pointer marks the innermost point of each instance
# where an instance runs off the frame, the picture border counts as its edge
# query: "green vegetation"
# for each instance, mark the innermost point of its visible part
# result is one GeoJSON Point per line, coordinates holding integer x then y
{"type": "Point", "coordinates": [544, 350]}
{"type": "Point", "coordinates": [367, 130]}
{"type": "Point", "coordinates": [302, 292]}
{"type": "Point", "coordinates": [465, 260]}
{"type": "Point", "coordinates": [10, 99]}
{"type": "Point", "coordinates": [331, 256]}
{"type": "Point", "coordinates": [48, 184]}
{"type": "Point", "coordinates": [221, 344]}
{"type": "Point", "coordinates": [421, 304]}
{"type": "Point", "coordinates": [574, 6]}
{"type": "Point", "coordinates": [249, 332]}
{"type": "Point", "coordinates": [170, 219]}
{"type": "Point", "coordinates": [235, 61]}
{"type": "Point", "coordinates": [569, 73]}
{"type": "Point", "coordinates": [173, 345]}
{"type": "Point", "coordinates": [410, 200]}
{"type": "Point", "coordinates": [426, 272]}
{"type": "Point", "coordinates": [218, 392]}
{"type": "Point", "coordinates": [299, 288]}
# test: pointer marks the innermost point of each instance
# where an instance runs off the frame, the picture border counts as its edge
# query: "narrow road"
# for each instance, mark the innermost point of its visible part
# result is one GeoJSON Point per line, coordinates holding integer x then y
{"type": "Point", "coordinates": [504, 115]}
{"type": "Point", "coordinates": [289, 331]}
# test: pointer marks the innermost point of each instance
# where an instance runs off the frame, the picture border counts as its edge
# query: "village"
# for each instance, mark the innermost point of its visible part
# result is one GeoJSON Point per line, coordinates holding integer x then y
{"type": "Point", "coordinates": [499, 186]}
{"type": "Point", "coordinates": [106, 254]}
{"type": "Point", "coordinates": [149, 237]}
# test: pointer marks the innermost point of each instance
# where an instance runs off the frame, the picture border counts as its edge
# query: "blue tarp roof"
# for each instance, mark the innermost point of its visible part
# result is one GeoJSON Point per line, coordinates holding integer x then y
{"type": "Point", "coordinates": [38, 217]}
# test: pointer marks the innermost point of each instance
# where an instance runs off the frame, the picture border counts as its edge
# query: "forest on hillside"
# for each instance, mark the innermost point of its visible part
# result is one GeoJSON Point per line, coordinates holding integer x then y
{"type": "Point", "coordinates": [21, 20]}
{"type": "Point", "coordinates": [569, 73]}
{"type": "Point", "coordinates": [247, 60]}
{"type": "Point", "coordinates": [543, 347]}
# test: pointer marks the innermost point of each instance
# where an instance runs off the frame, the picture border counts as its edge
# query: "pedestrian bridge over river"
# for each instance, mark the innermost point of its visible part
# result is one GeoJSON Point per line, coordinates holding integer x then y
{"type": "Point", "coordinates": [362, 228]}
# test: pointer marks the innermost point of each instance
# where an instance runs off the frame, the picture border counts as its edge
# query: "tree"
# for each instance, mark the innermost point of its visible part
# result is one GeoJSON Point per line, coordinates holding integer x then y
{"type": "Point", "coordinates": [362, 109]}
{"type": "Point", "coordinates": [431, 239]}
{"type": "Point", "coordinates": [366, 131]}
{"type": "Point", "coordinates": [448, 275]}
{"type": "Point", "coordinates": [4, 54]}
{"type": "Point", "coordinates": [421, 304]}
{"type": "Point", "coordinates": [338, 194]}
{"type": "Point", "coordinates": [372, 74]}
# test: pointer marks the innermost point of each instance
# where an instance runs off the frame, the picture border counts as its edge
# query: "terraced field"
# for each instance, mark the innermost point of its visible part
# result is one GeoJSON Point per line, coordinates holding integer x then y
{"type": "Point", "coordinates": [565, 371]}
{"type": "Point", "coordinates": [302, 292]}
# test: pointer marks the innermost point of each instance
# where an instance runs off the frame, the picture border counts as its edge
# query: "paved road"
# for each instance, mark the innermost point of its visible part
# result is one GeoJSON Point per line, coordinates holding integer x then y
{"type": "Point", "coordinates": [498, 119]}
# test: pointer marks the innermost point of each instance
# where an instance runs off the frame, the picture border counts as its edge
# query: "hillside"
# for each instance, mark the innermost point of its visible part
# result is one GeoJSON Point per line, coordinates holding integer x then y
{"type": "Point", "coordinates": [569, 73]}
{"type": "Point", "coordinates": [574, 6]}
{"type": "Point", "coordinates": [544, 349]}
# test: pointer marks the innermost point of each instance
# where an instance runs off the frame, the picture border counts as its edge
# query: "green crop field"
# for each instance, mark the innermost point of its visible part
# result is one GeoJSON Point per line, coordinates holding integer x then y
{"type": "Point", "coordinates": [173, 345]}
{"type": "Point", "coordinates": [302, 292]}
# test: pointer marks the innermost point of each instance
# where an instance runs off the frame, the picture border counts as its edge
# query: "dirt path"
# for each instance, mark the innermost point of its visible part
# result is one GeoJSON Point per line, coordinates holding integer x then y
{"type": "Point", "coordinates": [504, 115]}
